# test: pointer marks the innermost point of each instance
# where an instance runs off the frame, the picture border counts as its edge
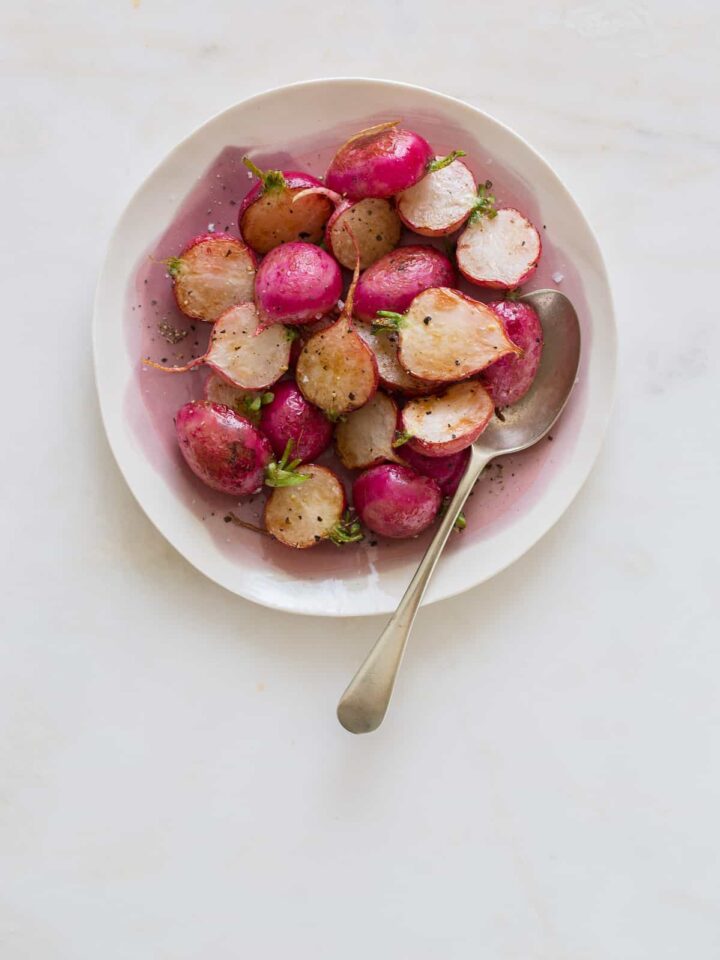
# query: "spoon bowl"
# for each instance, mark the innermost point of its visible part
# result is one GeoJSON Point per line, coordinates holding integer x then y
{"type": "Point", "coordinates": [363, 705]}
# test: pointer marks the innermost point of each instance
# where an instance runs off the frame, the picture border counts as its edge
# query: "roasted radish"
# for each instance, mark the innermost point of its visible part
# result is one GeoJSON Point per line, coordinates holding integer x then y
{"type": "Point", "coordinates": [510, 377]}
{"type": "Point", "coordinates": [296, 283]}
{"type": "Point", "coordinates": [392, 375]}
{"type": "Point", "coordinates": [393, 282]}
{"type": "Point", "coordinates": [214, 272]}
{"type": "Point", "coordinates": [395, 501]}
{"type": "Point", "coordinates": [270, 215]}
{"type": "Point", "coordinates": [445, 471]}
{"type": "Point", "coordinates": [304, 515]}
{"type": "Point", "coordinates": [336, 370]}
{"type": "Point", "coordinates": [446, 336]}
{"type": "Point", "coordinates": [498, 248]}
{"type": "Point", "coordinates": [240, 353]}
{"type": "Point", "coordinates": [248, 403]}
{"type": "Point", "coordinates": [366, 436]}
{"type": "Point", "coordinates": [218, 390]}
{"type": "Point", "coordinates": [222, 448]}
{"type": "Point", "coordinates": [442, 201]}
{"type": "Point", "coordinates": [289, 416]}
{"type": "Point", "coordinates": [447, 422]}
{"type": "Point", "coordinates": [379, 162]}
{"type": "Point", "coordinates": [375, 225]}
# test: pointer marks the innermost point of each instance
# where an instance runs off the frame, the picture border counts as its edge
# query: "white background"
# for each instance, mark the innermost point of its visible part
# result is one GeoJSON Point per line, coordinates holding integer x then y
{"type": "Point", "coordinates": [173, 783]}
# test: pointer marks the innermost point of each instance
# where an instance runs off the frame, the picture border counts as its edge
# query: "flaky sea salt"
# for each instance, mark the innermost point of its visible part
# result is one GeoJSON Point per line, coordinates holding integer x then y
{"type": "Point", "coordinates": [211, 228]}
{"type": "Point", "coordinates": [558, 277]}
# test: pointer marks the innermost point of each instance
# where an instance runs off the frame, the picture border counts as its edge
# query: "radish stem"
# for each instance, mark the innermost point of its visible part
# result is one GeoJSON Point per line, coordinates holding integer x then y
{"type": "Point", "coordinates": [271, 179]}
{"type": "Point", "coordinates": [438, 164]}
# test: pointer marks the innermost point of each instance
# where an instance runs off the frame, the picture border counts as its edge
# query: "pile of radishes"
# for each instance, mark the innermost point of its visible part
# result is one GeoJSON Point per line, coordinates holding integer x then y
{"type": "Point", "coordinates": [402, 376]}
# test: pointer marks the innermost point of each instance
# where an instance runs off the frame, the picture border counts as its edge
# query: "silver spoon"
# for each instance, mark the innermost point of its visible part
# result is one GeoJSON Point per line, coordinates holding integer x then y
{"type": "Point", "coordinates": [363, 705]}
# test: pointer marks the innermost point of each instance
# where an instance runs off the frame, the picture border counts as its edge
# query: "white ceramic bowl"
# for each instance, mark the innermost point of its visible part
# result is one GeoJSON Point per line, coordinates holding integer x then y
{"type": "Point", "coordinates": [298, 126]}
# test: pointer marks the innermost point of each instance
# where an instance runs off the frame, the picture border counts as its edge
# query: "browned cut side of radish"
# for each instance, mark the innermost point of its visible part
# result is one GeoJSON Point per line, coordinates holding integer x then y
{"type": "Point", "coordinates": [441, 202]}
{"type": "Point", "coordinates": [274, 219]}
{"type": "Point", "coordinates": [218, 390]}
{"type": "Point", "coordinates": [244, 357]}
{"type": "Point", "coordinates": [365, 437]}
{"type": "Point", "coordinates": [393, 376]}
{"type": "Point", "coordinates": [336, 370]}
{"type": "Point", "coordinates": [447, 422]}
{"type": "Point", "coordinates": [213, 274]}
{"type": "Point", "coordinates": [304, 515]}
{"type": "Point", "coordinates": [446, 336]}
{"type": "Point", "coordinates": [375, 226]}
{"type": "Point", "coordinates": [499, 252]}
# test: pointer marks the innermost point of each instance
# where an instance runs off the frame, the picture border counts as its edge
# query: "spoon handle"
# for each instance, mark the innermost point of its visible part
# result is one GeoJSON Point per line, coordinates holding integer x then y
{"type": "Point", "coordinates": [364, 703]}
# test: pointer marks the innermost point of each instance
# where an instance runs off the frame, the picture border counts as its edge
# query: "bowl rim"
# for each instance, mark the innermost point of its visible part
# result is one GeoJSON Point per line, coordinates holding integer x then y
{"type": "Point", "coordinates": [457, 587]}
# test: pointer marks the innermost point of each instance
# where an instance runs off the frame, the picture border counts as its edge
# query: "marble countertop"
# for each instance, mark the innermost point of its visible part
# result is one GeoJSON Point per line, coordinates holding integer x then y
{"type": "Point", "coordinates": [173, 783]}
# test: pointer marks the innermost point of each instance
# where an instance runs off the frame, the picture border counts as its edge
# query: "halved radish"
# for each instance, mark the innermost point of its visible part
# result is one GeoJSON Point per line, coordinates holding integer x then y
{"type": "Point", "coordinates": [222, 448]}
{"type": "Point", "coordinates": [392, 375]}
{"type": "Point", "coordinates": [248, 403]}
{"type": "Point", "coordinates": [447, 422]}
{"type": "Point", "coordinates": [441, 202]}
{"type": "Point", "coordinates": [336, 370]}
{"type": "Point", "coordinates": [303, 516]}
{"type": "Point", "coordinates": [510, 377]}
{"type": "Point", "coordinates": [214, 272]}
{"type": "Point", "coordinates": [446, 336]}
{"type": "Point", "coordinates": [501, 251]}
{"type": "Point", "coordinates": [240, 354]}
{"type": "Point", "coordinates": [296, 283]}
{"type": "Point", "coordinates": [393, 282]}
{"type": "Point", "coordinates": [365, 438]}
{"type": "Point", "coordinates": [379, 162]}
{"type": "Point", "coordinates": [375, 227]}
{"type": "Point", "coordinates": [269, 216]}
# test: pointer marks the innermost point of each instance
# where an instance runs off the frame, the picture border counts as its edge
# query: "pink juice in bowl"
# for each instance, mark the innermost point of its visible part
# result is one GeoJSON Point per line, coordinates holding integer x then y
{"type": "Point", "coordinates": [156, 328]}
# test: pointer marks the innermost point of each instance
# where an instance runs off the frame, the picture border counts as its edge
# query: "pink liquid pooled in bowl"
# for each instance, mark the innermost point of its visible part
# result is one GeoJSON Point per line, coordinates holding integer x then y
{"type": "Point", "coordinates": [506, 489]}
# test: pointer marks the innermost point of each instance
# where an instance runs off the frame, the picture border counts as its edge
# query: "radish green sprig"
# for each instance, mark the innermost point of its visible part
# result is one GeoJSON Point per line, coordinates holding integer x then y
{"type": "Point", "coordinates": [283, 472]}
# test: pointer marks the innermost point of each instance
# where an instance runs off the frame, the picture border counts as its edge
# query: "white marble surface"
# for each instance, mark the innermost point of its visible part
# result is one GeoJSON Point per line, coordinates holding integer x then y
{"type": "Point", "coordinates": [173, 784]}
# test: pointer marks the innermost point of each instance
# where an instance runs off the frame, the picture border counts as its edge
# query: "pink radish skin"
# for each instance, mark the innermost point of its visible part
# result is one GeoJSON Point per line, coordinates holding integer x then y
{"type": "Point", "coordinates": [499, 252]}
{"type": "Point", "coordinates": [393, 282]}
{"type": "Point", "coordinates": [270, 215]}
{"type": "Point", "coordinates": [305, 515]}
{"type": "Point", "coordinates": [445, 471]}
{"type": "Point", "coordinates": [213, 273]}
{"type": "Point", "coordinates": [510, 377]}
{"type": "Point", "coordinates": [446, 336]}
{"type": "Point", "coordinates": [365, 438]}
{"type": "Point", "coordinates": [241, 353]}
{"type": "Point", "coordinates": [222, 448]}
{"type": "Point", "coordinates": [379, 162]}
{"type": "Point", "coordinates": [296, 283]}
{"type": "Point", "coordinates": [395, 501]}
{"type": "Point", "coordinates": [392, 375]}
{"type": "Point", "coordinates": [289, 416]}
{"type": "Point", "coordinates": [448, 422]}
{"type": "Point", "coordinates": [440, 203]}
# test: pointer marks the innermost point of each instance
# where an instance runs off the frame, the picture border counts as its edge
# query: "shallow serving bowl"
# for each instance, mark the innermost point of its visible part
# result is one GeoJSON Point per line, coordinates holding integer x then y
{"type": "Point", "coordinates": [201, 182]}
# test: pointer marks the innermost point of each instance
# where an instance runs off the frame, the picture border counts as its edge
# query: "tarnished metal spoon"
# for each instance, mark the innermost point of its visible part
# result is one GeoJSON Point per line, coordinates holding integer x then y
{"type": "Point", "coordinates": [363, 705]}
